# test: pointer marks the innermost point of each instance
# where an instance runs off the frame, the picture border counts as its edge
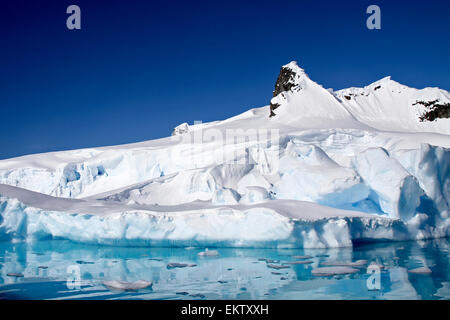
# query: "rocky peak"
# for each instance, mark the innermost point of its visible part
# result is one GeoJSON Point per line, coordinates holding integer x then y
{"type": "Point", "coordinates": [288, 80]}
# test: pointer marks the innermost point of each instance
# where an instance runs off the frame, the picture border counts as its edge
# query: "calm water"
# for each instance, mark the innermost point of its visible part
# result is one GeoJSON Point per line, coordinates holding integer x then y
{"type": "Point", "coordinates": [234, 274]}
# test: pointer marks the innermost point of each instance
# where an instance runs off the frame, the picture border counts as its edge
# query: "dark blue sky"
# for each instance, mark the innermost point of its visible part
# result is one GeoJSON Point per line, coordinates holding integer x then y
{"type": "Point", "coordinates": [136, 68]}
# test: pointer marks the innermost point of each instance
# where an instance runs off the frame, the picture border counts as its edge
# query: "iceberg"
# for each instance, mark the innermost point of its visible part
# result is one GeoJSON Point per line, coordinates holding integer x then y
{"type": "Point", "coordinates": [314, 169]}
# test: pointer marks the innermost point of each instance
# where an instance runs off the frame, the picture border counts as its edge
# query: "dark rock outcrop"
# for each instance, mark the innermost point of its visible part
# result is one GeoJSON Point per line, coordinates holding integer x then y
{"type": "Point", "coordinates": [285, 82]}
{"type": "Point", "coordinates": [434, 111]}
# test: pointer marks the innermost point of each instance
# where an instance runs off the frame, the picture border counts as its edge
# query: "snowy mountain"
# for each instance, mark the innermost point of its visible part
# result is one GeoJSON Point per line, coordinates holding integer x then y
{"type": "Point", "coordinates": [315, 168]}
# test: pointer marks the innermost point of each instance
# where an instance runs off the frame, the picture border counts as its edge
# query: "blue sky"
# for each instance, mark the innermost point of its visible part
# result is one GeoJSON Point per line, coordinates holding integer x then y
{"type": "Point", "coordinates": [137, 68]}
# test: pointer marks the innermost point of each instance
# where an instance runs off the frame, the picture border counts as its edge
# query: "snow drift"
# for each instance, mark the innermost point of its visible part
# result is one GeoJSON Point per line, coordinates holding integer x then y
{"type": "Point", "coordinates": [315, 168]}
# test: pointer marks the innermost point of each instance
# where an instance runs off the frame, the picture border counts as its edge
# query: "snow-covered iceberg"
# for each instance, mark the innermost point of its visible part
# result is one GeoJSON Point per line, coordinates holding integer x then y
{"type": "Point", "coordinates": [315, 168]}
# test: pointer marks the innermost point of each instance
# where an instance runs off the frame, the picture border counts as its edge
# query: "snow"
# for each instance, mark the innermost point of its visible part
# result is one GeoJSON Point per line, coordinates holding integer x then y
{"type": "Point", "coordinates": [325, 171]}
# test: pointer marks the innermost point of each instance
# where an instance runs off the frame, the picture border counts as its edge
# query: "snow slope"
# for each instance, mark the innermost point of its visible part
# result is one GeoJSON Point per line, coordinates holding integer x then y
{"type": "Point", "coordinates": [316, 168]}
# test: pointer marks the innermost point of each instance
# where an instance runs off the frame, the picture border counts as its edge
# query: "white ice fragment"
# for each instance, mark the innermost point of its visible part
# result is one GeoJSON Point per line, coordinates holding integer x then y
{"type": "Point", "coordinates": [358, 263]}
{"type": "Point", "coordinates": [208, 253]}
{"type": "Point", "coordinates": [127, 286]}
{"type": "Point", "coordinates": [329, 271]}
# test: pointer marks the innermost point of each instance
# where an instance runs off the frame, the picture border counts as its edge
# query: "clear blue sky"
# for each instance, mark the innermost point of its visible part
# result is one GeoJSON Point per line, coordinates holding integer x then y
{"type": "Point", "coordinates": [137, 68]}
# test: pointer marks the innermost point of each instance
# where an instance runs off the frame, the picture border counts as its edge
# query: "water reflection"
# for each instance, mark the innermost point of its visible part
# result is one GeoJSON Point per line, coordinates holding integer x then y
{"type": "Point", "coordinates": [234, 274]}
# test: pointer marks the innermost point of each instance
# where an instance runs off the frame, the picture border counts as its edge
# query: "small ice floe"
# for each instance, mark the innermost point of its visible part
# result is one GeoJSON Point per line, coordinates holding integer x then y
{"type": "Point", "coordinates": [127, 286]}
{"type": "Point", "coordinates": [421, 270]}
{"type": "Point", "coordinates": [358, 263]}
{"type": "Point", "coordinates": [277, 267]}
{"type": "Point", "coordinates": [302, 257]}
{"type": "Point", "coordinates": [208, 253]}
{"type": "Point", "coordinates": [331, 271]}
{"type": "Point", "coordinates": [379, 265]}
{"type": "Point", "coordinates": [13, 274]}
{"type": "Point", "coordinates": [155, 259]}
{"type": "Point", "coordinates": [268, 260]}
{"type": "Point", "coordinates": [189, 248]}
{"type": "Point", "coordinates": [172, 265]}
{"type": "Point", "coordinates": [84, 262]}
{"type": "Point", "coordinates": [299, 262]}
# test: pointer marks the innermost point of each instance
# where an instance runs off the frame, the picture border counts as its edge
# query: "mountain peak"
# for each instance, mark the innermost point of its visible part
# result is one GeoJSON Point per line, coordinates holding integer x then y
{"type": "Point", "coordinates": [290, 77]}
{"type": "Point", "coordinates": [293, 65]}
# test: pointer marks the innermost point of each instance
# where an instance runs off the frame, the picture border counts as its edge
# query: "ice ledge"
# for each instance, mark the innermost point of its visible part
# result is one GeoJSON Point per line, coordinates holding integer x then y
{"type": "Point", "coordinates": [293, 224]}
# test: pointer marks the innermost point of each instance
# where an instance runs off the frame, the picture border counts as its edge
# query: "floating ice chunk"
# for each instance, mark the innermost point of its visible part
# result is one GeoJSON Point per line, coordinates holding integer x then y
{"type": "Point", "coordinates": [299, 262]}
{"type": "Point", "coordinates": [127, 286]}
{"type": "Point", "coordinates": [302, 257]}
{"type": "Point", "coordinates": [13, 274]}
{"type": "Point", "coordinates": [330, 271]}
{"type": "Point", "coordinates": [277, 267]}
{"type": "Point", "coordinates": [421, 270]}
{"type": "Point", "coordinates": [84, 262]}
{"type": "Point", "coordinates": [358, 263]}
{"type": "Point", "coordinates": [208, 253]}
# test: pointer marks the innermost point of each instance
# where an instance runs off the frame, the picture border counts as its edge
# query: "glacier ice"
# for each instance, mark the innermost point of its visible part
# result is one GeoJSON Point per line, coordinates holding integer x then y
{"type": "Point", "coordinates": [326, 169]}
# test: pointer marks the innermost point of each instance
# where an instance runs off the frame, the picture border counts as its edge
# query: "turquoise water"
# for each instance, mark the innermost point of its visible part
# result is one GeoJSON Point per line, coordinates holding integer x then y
{"type": "Point", "coordinates": [234, 274]}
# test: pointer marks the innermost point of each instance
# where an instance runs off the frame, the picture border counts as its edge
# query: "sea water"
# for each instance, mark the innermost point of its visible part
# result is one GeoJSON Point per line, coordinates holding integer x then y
{"type": "Point", "coordinates": [60, 269]}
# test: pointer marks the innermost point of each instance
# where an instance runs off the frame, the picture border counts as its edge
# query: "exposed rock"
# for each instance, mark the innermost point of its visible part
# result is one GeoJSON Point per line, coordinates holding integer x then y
{"type": "Point", "coordinates": [434, 110]}
{"type": "Point", "coordinates": [285, 82]}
